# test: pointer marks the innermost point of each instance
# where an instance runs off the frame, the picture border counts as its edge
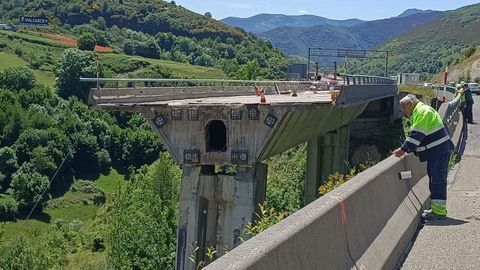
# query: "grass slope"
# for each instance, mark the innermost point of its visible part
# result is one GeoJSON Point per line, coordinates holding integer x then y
{"type": "Point", "coordinates": [42, 55]}
{"type": "Point", "coordinates": [68, 211]}
{"type": "Point", "coordinates": [10, 61]}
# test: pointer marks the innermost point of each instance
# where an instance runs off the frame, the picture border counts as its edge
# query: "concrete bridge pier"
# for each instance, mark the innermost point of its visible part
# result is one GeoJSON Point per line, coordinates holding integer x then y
{"type": "Point", "coordinates": [325, 155]}
{"type": "Point", "coordinates": [205, 122]}
{"type": "Point", "coordinates": [214, 208]}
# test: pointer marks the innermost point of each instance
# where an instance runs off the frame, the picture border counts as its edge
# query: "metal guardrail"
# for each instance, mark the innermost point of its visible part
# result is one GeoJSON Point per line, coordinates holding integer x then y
{"type": "Point", "coordinates": [441, 88]}
{"type": "Point", "coordinates": [366, 80]}
{"type": "Point", "coordinates": [150, 82]}
{"type": "Point", "coordinates": [452, 107]}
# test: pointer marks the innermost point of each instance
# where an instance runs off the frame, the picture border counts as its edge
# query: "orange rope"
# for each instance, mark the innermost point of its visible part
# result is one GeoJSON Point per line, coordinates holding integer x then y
{"type": "Point", "coordinates": [343, 214]}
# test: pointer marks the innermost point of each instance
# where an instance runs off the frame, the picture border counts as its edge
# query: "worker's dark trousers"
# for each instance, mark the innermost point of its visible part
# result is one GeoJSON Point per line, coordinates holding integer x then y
{"type": "Point", "coordinates": [468, 112]}
{"type": "Point", "coordinates": [437, 170]}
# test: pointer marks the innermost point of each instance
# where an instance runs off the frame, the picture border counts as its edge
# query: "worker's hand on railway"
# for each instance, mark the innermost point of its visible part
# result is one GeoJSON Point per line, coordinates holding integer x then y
{"type": "Point", "coordinates": [399, 152]}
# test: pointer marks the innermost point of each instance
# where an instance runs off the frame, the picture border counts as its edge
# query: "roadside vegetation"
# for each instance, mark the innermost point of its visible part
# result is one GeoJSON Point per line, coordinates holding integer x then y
{"type": "Point", "coordinates": [85, 189]}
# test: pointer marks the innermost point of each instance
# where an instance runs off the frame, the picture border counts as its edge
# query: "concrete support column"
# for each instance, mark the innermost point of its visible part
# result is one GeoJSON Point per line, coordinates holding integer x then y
{"type": "Point", "coordinates": [188, 217]}
{"type": "Point", "coordinates": [313, 174]}
{"type": "Point", "coordinates": [214, 209]}
{"type": "Point", "coordinates": [325, 155]}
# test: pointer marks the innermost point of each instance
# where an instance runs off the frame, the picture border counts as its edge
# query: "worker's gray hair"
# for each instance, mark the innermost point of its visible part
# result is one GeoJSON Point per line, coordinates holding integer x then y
{"type": "Point", "coordinates": [410, 99]}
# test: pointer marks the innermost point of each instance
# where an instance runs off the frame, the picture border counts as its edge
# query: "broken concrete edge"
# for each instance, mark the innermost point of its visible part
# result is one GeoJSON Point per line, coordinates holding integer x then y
{"type": "Point", "coordinates": [353, 94]}
{"type": "Point", "coordinates": [381, 215]}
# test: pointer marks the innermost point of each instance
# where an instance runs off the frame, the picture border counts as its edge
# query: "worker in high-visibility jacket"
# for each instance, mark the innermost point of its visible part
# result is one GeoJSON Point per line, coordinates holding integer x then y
{"type": "Point", "coordinates": [460, 91]}
{"type": "Point", "coordinates": [429, 139]}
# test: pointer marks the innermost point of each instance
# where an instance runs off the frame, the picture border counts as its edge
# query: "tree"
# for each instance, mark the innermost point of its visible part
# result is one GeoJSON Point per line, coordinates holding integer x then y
{"type": "Point", "coordinates": [208, 15]}
{"type": "Point", "coordinates": [8, 165]}
{"type": "Point", "coordinates": [28, 186]}
{"type": "Point", "coordinates": [87, 42]}
{"type": "Point", "coordinates": [140, 147]}
{"type": "Point", "coordinates": [73, 65]}
{"type": "Point", "coordinates": [204, 60]}
{"type": "Point", "coordinates": [101, 23]}
{"type": "Point", "coordinates": [42, 162]}
{"type": "Point", "coordinates": [129, 47]}
{"type": "Point", "coordinates": [28, 140]}
{"type": "Point", "coordinates": [250, 71]}
{"type": "Point", "coordinates": [85, 162]}
{"type": "Point", "coordinates": [286, 176]}
{"type": "Point", "coordinates": [17, 78]}
{"type": "Point", "coordinates": [104, 161]}
{"type": "Point", "coordinates": [38, 251]}
{"type": "Point", "coordinates": [143, 218]}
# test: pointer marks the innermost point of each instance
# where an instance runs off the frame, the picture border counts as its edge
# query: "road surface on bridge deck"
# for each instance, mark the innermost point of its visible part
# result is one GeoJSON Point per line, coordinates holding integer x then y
{"type": "Point", "coordinates": [455, 243]}
{"type": "Point", "coordinates": [307, 97]}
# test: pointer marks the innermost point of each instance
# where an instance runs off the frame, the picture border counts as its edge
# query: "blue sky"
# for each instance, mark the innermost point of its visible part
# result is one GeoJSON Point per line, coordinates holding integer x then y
{"type": "Point", "coordinates": [346, 9]}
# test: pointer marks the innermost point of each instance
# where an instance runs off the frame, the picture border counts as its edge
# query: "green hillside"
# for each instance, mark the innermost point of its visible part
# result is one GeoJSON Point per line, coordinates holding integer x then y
{"type": "Point", "coordinates": [9, 61]}
{"type": "Point", "coordinates": [432, 46]}
{"type": "Point", "coordinates": [151, 16]}
{"type": "Point", "coordinates": [465, 68]}
{"type": "Point", "coordinates": [151, 29]}
{"type": "Point", "coordinates": [113, 202]}
{"type": "Point", "coordinates": [42, 54]}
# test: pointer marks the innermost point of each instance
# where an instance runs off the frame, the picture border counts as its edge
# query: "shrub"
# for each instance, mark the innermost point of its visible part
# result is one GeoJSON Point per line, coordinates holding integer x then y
{"type": "Point", "coordinates": [104, 161]}
{"type": "Point", "coordinates": [27, 187]}
{"type": "Point", "coordinates": [266, 217]}
{"type": "Point", "coordinates": [87, 42]}
{"type": "Point", "coordinates": [17, 78]}
{"type": "Point", "coordinates": [8, 210]}
{"type": "Point", "coordinates": [73, 65]}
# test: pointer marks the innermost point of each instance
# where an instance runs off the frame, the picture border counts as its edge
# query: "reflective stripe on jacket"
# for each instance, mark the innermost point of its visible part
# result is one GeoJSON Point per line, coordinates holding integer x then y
{"type": "Point", "coordinates": [428, 137]}
{"type": "Point", "coordinates": [462, 97]}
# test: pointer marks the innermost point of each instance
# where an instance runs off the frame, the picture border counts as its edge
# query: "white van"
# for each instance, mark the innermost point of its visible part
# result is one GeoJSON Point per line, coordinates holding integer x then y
{"type": "Point", "coordinates": [474, 88]}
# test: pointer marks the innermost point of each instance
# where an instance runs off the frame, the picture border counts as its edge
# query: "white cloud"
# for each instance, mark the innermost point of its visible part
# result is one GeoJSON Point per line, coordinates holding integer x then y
{"type": "Point", "coordinates": [302, 11]}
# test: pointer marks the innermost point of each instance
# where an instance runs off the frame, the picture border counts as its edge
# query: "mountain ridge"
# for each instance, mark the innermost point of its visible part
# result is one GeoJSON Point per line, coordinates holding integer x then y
{"type": "Point", "coordinates": [265, 22]}
{"type": "Point", "coordinates": [433, 45]}
{"type": "Point", "coordinates": [412, 11]}
{"type": "Point", "coordinates": [366, 35]}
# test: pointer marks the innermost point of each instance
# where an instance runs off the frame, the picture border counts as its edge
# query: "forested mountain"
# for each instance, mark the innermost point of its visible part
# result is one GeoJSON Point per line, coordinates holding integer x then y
{"type": "Point", "coordinates": [265, 22]}
{"type": "Point", "coordinates": [152, 16]}
{"type": "Point", "coordinates": [154, 29]}
{"type": "Point", "coordinates": [443, 41]}
{"type": "Point", "coordinates": [365, 35]}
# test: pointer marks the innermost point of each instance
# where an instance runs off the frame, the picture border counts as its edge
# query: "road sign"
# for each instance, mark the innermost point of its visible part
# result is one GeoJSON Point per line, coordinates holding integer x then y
{"type": "Point", "coordinates": [34, 21]}
{"type": "Point", "coordinates": [351, 53]}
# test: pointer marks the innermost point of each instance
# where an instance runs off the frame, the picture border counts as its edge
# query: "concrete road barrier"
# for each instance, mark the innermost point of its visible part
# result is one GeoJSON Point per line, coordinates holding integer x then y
{"type": "Point", "coordinates": [380, 216]}
{"type": "Point", "coordinates": [365, 224]}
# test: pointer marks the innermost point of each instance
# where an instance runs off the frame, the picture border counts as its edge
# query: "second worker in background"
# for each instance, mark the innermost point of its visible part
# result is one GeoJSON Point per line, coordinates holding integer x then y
{"type": "Point", "coordinates": [468, 111]}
